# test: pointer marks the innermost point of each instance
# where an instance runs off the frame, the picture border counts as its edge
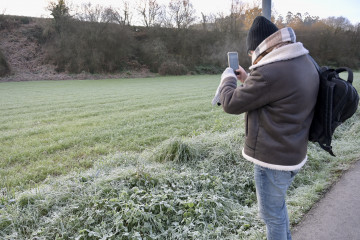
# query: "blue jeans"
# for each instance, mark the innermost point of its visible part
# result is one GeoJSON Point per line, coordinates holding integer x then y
{"type": "Point", "coordinates": [271, 187]}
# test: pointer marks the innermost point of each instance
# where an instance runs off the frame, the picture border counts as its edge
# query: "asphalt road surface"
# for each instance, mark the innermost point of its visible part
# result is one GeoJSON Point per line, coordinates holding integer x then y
{"type": "Point", "coordinates": [337, 215]}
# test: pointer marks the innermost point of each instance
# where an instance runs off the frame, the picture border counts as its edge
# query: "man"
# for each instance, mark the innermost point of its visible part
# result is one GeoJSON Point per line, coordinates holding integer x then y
{"type": "Point", "coordinates": [278, 97]}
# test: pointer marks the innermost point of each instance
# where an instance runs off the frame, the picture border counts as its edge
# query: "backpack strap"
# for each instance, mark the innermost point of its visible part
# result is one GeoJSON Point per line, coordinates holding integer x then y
{"type": "Point", "coordinates": [315, 63]}
{"type": "Point", "coordinates": [350, 73]}
{"type": "Point", "coordinates": [327, 148]}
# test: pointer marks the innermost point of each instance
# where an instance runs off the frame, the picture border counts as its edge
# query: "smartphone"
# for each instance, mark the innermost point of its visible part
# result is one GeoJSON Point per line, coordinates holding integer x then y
{"type": "Point", "coordinates": [233, 61]}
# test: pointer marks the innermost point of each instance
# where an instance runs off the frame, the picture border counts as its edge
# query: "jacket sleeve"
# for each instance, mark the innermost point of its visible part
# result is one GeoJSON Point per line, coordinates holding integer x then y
{"type": "Point", "coordinates": [253, 94]}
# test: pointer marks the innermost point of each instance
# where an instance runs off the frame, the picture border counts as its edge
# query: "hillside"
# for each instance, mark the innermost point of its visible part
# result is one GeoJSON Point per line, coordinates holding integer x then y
{"type": "Point", "coordinates": [24, 49]}
{"type": "Point", "coordinates": [23, 52]}
{"type": "Point", "coordinates": [71, 48]}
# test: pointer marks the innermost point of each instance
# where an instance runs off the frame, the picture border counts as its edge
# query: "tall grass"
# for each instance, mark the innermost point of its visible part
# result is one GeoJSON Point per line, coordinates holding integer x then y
{"type": "Point", "coordinates": [189, 185]}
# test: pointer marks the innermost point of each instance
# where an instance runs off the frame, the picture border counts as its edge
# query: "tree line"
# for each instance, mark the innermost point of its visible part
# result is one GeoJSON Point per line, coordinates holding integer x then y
{"type": "Point", "coordinates": [173, 40]}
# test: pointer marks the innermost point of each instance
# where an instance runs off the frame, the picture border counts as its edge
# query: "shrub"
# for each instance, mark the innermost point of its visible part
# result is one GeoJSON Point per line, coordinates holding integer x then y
{"type": "Point", "coordinates": [208, 69]}
{"type": "Point", "coordinates": [24, 20]}
{"type": "Point", "coordinates": [176, 150]}
{"type": "Point", "coordinates": [4, 66]}
{"type": "Point", "coordinates": [90, 47]}
{"type": "Point", "coordinates": [8, 23]}
{"type": "Point", "coordinates": [153, 53]}
{"type": "Point", "coordinates": [172, 68]}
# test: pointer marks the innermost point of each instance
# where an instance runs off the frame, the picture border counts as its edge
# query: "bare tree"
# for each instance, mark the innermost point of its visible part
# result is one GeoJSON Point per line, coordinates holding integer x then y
{"type": "Point", "coordinates": [127, 15]}
{"type": "Point", "coordinates": [289, 17]}
{"type": "Point", "coordinates": [90, 13]}
{"type": "Point", "coordinates": [150, 11]}
{"type": "Point", "coordinates": [309, 20]}
{"type": "Point", "coordinates": [204, 20]}
{"type": "Point", "coordinates": [208, 21]}
{"type": "Point", "coordinates": [221, 22]}
{"type": "Point", "coordinates": [182, 13]}
{"type": "Point", "coordinates": [111, 15]}
{"type": "Point", "coordinates": [338, 23]}
{"type": "Point", "coordinates": [162, 19]}
{"type": "Point", "coordinates": [237, 10]}
{"type": "Point", "coordinates": [280, 21]}
{"type": "Point", "coordinates": [98, 13]}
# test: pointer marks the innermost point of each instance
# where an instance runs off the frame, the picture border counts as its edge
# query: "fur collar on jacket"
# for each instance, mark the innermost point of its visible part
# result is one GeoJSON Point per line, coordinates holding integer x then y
{"type": "Point", "coordinates": [286, 52]}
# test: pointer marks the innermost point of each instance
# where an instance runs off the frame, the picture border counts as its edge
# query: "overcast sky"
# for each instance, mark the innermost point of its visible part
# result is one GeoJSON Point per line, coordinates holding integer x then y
{"type": "Point", "coordinates": [322, 8]}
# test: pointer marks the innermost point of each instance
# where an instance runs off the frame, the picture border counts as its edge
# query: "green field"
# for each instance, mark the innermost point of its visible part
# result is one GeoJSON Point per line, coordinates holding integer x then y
{"type": "Point", "coordinates": [51, 128]}
{"type": "Point", "coordinates": [138, 159]}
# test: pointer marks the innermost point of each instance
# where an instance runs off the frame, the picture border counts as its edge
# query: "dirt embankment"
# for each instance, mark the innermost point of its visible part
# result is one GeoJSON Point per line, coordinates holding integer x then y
{"type": "Point", "coordinates": [27, 60]}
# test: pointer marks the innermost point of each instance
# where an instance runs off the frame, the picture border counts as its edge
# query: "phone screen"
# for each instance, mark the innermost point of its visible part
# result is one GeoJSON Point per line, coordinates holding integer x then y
{"type": "Point", "coordinates": [233, 60]}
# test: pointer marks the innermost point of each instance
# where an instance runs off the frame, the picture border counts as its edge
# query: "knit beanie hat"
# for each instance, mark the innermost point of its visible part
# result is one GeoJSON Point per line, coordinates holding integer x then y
{"type": "Point", "coordinates": [259, 31]}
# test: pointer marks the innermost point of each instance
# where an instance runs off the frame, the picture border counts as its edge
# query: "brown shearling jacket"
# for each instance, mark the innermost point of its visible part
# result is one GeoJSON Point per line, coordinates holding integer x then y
{"type": "Point", "coordinates": [279, 100]}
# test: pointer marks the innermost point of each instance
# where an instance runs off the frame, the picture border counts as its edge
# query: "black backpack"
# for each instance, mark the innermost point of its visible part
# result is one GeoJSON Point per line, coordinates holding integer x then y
{"type": "Point", "coordinates": [336, 102]}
